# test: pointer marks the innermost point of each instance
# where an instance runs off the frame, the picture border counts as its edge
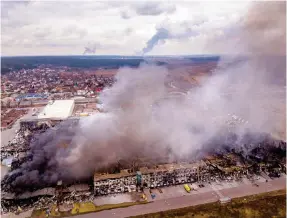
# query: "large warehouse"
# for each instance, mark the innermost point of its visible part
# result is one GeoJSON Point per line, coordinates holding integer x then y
{"type": "Point", "coordinates": [60, 109]}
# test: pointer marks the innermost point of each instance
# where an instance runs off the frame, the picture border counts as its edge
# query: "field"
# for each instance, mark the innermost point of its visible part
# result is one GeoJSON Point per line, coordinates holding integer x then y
{"type": "Point", "coordinates": [271, 204]}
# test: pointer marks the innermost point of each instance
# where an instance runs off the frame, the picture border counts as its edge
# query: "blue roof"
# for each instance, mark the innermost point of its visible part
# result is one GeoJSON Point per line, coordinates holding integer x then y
{"type": "Point", "coordinates": [32, 95]}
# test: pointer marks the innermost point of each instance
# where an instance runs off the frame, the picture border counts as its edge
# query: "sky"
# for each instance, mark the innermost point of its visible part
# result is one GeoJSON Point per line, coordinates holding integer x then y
{"type": "Point", "coordinates": [117, 27]}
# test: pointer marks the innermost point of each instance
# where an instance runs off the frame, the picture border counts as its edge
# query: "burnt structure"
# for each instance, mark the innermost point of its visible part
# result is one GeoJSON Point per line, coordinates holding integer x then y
{"type": "Point", "coordinates": [265, 157]}
{"type": "Point", "coordinates": [221, 160]}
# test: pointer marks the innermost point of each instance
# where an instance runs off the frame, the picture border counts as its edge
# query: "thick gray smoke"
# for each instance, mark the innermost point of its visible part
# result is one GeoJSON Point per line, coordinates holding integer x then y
{"type": "Point", "coordinates": [259, 82]}
{"type": "Point", "coordinates": [142, 120]}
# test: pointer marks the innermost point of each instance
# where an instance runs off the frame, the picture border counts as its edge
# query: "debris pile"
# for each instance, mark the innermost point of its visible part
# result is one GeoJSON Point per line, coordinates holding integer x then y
{"type": "Point", "coordinates": [45, 198]}
{"type": "Point", "coordinates": [266, 157]}
{"type": "Point", "coordinates": [23, 137]}
{"type": "Point", "coordinates": [14, 205]}
{"type": "Point", "coordinates": [18, 146]}
{"type": "Point", "coordinates": [227, 161]}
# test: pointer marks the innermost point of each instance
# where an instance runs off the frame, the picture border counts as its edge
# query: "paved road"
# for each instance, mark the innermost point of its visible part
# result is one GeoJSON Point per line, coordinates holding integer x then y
{"type": "Point", "coordinates": [190, 200]}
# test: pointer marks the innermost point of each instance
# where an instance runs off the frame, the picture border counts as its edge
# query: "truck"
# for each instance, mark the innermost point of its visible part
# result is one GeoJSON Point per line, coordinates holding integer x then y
{"type": "Point", "coordinates": [187, 188]}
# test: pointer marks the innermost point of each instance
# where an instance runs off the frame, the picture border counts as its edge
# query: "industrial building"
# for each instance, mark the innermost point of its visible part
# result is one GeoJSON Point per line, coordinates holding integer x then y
{"type": "Point", "coordinates": [59, 109]}
{"type": "Point", "coordinates": [158, 176]}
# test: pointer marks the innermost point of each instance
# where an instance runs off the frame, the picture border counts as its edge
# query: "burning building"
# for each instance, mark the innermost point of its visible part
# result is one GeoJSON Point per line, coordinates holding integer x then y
{"type": "Point", "coordinates": [157, 176]}
{"type": "Point", "coordinates": [173, 131]}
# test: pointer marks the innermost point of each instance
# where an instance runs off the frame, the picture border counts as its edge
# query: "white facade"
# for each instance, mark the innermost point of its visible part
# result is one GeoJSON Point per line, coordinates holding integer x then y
{"type": "Point", "coordinates": [60, 109]}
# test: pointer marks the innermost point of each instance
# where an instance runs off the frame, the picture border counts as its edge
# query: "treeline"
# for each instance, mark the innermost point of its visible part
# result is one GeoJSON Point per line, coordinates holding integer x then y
{"type": "Point", "coordinates": [15, 63]}
{"type": "Point", "coordinates": [107, 62]}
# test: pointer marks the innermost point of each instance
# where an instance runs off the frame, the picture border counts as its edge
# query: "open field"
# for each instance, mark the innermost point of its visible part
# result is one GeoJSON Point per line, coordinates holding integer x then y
{"type": "Point", "coordinates": [271, 204]}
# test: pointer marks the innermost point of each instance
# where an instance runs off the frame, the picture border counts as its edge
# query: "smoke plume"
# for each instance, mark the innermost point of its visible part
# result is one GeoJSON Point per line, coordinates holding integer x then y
{"type": "Point", "coordinates": [91, 49]}
{"type": "Point", "coordinates": [142, 120]}
{"type": "Point", "coordinates": [172, 31]}
{"type": "Point", "coordinates": [161, 34]}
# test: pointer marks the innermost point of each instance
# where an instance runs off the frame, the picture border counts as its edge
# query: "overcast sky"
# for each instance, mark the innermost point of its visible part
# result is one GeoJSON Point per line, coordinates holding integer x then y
{"type": "Point", "coordinates": [117, 27]}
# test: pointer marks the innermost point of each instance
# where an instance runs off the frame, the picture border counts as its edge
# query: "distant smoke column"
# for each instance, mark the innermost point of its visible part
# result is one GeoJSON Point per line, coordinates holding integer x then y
{"type": "Point", "coordinates": [91, 49]}
{"type": "Point", "coordinates": [160, 35]}
{"type": "Point", "coordinates": [172, 31]}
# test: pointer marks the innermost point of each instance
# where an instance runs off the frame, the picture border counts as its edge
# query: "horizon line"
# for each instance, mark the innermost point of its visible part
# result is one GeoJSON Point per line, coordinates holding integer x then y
{"type": "Point", "coordinates": [142, 56]}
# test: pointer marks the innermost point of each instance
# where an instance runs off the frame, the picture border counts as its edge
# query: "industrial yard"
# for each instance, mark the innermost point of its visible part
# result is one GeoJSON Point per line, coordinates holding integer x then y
{"type": "Point", "coordinates": [144, 109]}
{"type": "Point", "coordinates": [167, 199]}
{"type": "Point", "coordinates": [217, 172]}
{"type": "Point", "coordinates": [223, 170]}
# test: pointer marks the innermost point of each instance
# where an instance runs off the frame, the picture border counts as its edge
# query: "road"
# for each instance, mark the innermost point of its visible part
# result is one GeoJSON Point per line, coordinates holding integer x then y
{"type": "Point", "coordinates": [191, 200]}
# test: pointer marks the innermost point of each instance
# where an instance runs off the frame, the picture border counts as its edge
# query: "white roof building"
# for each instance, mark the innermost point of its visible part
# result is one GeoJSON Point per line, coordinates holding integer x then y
{"type": "Point", "coordinates": [60, 109]}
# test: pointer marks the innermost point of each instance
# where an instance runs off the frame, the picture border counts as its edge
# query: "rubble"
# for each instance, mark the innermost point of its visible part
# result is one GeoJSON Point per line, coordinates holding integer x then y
{"type": "Point", "coordinates": [226, 163]}
{"type": "Point", "coordinates": [220, 167]}
{"type": "Point", "coordinates": [12, 205]}
{"type": "Point", "coordinates": [45, 198]}
{"type": "Point", "coordinates": [19, 146]}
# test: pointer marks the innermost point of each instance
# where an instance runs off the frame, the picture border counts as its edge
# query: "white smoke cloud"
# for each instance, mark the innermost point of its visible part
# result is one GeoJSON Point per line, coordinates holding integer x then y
{"type": "Point", "coordinates": [239, 89]}
{"type": "Point", "coordinates": [143, 121]}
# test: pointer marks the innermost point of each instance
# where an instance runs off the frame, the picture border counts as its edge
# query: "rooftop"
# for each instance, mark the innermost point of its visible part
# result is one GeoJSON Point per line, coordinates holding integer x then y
{"type": "Point", "coordinates": [57, 109]}
{"type": "Point", "coordinates": [145, 170]}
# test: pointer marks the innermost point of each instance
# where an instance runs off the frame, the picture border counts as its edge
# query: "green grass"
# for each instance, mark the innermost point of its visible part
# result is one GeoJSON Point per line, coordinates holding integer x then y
{"type": "Point", "coordinates": [266, 205]}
